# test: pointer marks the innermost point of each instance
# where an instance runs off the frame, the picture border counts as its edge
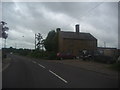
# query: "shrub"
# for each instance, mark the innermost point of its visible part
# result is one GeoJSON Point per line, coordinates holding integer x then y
{"type": "Point", "coordinates": [52, 55]}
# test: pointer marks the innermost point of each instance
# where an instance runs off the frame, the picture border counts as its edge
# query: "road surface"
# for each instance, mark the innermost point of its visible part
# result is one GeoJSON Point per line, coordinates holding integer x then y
{"type": "Point", "coordinates": [24, 72]}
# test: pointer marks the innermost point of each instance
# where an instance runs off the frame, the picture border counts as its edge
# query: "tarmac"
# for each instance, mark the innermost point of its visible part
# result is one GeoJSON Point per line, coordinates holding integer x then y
{"type": "Point", "coordinates": [5, 63]}
{"type": "Point", "coordinates": [90, 65]}
{"type": "Point", "coordinates": [87, 65]}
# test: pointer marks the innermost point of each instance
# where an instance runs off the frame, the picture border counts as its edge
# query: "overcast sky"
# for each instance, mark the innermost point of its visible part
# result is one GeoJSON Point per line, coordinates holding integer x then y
{"type": "Point", "coordinates": [27, 18]}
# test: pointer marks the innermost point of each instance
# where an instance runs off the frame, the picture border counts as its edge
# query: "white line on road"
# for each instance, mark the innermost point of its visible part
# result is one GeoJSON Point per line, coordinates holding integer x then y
{"type": "Point", "coordinates": [5, 67]}
{"type": "Point", "coordinates": [58, 76]}
{"type": "Point", "coordinates": [41, 65]}
{"type": "Point", "coordinates": [33, 61]}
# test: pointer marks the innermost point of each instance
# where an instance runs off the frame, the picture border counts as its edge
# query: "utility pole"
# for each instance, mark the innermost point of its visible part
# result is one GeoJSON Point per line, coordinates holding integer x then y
{"type": "Point", "coordinates": [15, 46]}
{"type": "Point", "coordinates": [104, 44]}
{"type": "Point", "coordinates": [4, 43]}
{"type": "Point", "coordinates": [35, 40]}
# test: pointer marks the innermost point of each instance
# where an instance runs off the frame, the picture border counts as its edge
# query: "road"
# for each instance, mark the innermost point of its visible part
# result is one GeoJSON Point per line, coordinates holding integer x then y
{"type": "Point", "coordinates": [25, 72]}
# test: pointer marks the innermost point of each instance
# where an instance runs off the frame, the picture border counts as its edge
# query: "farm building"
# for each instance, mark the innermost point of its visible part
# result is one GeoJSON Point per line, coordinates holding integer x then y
{"type": "Point", "coordinates": [75, 42]}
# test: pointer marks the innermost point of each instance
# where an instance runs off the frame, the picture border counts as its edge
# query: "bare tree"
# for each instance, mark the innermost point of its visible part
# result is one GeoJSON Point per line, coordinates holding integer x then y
{"type": "Point", "coordinates": [38, 41]}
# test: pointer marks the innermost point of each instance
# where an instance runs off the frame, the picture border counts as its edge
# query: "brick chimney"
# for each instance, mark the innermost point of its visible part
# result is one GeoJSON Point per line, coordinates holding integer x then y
{"type": "Point", "coordinates": [77, 28]}
{"type": "Point", "coordinates": [58, 29]}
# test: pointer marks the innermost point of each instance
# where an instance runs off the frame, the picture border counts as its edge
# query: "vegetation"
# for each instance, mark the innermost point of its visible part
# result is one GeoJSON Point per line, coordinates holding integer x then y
{"type": "Point", "coordinates": [51, 44]}
{"type": "Point", "coordinates": [115, 66]}
{"type": "Point", "coordinates": [4, 35]}
{"type": "Point", "coordinates": [4, 55]}
{"type": "Point", "coordinates": [40, 54]}
{"type": "Point", "coordinates": [3, 29]}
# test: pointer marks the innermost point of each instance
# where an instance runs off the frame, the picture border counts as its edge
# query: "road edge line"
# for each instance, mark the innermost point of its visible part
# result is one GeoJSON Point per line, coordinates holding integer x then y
{"type": "Point", "coordinates": [5, 67]}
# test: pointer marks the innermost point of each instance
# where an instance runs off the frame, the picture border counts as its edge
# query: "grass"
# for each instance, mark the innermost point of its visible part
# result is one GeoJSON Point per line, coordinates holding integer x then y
{"type": "Point", "coordinates": [115, 66]}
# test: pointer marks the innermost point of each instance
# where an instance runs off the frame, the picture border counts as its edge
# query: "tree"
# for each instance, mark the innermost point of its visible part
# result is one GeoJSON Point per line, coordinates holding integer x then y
{"type": "Point", "coordinates": [38, 41]}
{"type": "Point", "coordinates": [3, 31]}
{"type": "Point", "coordinates": [55, 42]}
{"type": "Point", "coordinates": [50, 42]}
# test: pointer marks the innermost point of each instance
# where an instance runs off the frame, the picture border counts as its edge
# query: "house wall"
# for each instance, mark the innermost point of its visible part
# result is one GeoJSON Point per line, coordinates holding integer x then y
{"type": "Point", "coordinates": [74, 46]}
{"type": "Point", "coordinates": [109, 52]}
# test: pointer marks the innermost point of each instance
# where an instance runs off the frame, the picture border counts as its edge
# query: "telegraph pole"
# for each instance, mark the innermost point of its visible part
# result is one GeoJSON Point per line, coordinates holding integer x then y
{"type": "Point", "coordinates": [35, 40]}
{"type": "Point", "coordinates": [104, 44]}
{"type": "Point", "coordinates": [15, 46]}
{"type": "Point", "coordinates": [5, 44]}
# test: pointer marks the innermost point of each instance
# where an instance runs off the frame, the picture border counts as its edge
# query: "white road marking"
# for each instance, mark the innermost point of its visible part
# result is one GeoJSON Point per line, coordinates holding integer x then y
{"type": "Point", "coordinates": [5, 67]}
{"type": "Point", "coordinates": [33, 61]}
{"type": "Point", "coordinates": [41, 65]}
{"type": "Point", "coordinates": [52, 72]}
{"type": "Point", "coordinates": [58, 76]}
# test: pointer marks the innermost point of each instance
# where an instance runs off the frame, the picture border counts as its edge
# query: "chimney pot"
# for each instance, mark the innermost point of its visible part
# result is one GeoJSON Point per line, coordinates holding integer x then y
{"type": "Point", "coordinates": [77, 28]}
{"type": "Point", "coordinates": [58, 29]}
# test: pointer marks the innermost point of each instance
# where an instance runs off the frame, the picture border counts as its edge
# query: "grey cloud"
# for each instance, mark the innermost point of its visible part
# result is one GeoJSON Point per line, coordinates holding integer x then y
{"type": "Point", "coordinates": [74, 9]}
{"type": "Point", "coordinates": [22, 18]}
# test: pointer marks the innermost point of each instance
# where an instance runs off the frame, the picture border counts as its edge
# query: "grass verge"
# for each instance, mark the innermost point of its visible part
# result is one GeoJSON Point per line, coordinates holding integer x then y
{"type": "Point", "coordinates": [115, 66]}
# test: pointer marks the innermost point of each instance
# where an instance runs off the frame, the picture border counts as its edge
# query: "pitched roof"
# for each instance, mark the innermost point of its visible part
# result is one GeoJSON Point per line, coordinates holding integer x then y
{"type": "Point", "coordinates": [106, 48]}
{"type": "Point", "coordinates": [74, 35]}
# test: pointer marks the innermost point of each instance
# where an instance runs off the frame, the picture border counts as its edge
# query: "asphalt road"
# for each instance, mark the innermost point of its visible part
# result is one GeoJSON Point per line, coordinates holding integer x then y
{"type": "Point", "coordinates": [30, 73]}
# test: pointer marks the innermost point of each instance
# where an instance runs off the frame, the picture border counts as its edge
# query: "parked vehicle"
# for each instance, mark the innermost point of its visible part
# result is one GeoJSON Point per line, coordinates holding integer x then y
{"type": "Point", "coordinates": [65, 56]}
{"type": "Point", "coordinates": [96, 56]}
{"type": "Point", "coordinates": [85, 55]}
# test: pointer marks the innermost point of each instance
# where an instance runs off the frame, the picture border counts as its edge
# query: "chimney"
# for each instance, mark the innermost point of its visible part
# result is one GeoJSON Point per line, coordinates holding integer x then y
{"type": "Point", "coordinates": [77, 28]}
{"type": "Point", "coordinates": [58, 29]}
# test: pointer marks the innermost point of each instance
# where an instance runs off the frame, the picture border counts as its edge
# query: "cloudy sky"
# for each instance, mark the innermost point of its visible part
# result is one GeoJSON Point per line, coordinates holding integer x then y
{"type": "Point", "coordinates": [24, 19]}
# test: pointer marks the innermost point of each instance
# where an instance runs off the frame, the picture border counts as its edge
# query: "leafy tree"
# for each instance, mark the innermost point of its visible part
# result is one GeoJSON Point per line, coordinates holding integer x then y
{"type": "Point", "coordinates": [3, 30]}
{"type": "Point", "coordinates": [55, 42]}
{"type": "Point", "coordinates": [51, 44]}
{"type": "Point", "coordinates": [50, 41]}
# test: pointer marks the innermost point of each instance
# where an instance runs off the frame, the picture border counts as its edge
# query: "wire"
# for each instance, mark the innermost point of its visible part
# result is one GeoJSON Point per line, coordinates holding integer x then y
{"type": "Point", "coordinates": [93, 9]}
{"type": "Point", "coordinates": [87, 12]}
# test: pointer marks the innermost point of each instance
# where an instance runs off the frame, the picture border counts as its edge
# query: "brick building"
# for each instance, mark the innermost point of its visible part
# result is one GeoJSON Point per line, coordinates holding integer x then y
{"type": "Point", "coordinates": [74, 42]}
{"type": "Point", "coordinates": [112, 52]}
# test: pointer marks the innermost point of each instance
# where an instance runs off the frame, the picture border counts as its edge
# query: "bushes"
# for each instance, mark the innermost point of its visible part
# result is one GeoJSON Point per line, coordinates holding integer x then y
{"type": "Point", "coordinates": [42, 54]}
{"type": "Point", "coordinates": [4, 53]}
{"type": "Point", "coordinates": [30, 53]}
{"type": "Point", "coordinates": [104, 59]}
{"type": "Point", "coordinates": [115, 66]}
{"type": "Point", "coordinates": [35, 54]}
{"type": "Point", "coordinates": [52, 55]}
